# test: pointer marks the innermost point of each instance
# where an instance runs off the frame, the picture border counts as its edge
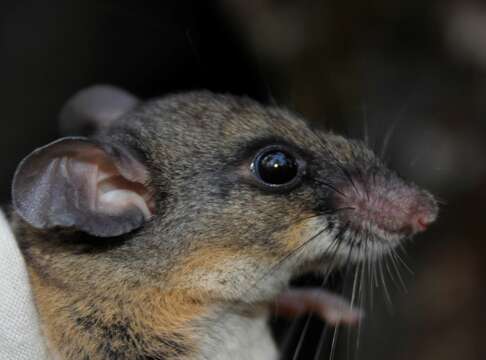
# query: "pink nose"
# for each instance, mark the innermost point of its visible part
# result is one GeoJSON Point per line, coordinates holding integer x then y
{"type": "Point", "coordinates": [393, 207]}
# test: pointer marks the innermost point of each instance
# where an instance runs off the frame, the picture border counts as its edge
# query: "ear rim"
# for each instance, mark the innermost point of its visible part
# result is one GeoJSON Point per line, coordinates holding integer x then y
{"type": "Point", "coordinates": [132, 221]}
{"type": "Point", "coordinates": [95, 108]}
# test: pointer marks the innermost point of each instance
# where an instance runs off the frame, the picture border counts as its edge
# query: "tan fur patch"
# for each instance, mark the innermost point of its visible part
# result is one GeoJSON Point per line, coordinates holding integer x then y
{"type": "Point", "coordinates": [158, 321]}
{"type": "Point", "coordinates": [297, 234]}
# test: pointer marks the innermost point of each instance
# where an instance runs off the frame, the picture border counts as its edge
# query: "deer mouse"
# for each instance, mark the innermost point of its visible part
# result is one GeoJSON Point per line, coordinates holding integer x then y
{"type": "Point", "coordinates": [170, 231]}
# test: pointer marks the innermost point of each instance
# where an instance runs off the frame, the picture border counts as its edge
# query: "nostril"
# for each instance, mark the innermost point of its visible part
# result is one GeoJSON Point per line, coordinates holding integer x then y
{"type": "Point", "coordinates": [423, 223]}
{"type": "Point", "coordinates": [422, 220]}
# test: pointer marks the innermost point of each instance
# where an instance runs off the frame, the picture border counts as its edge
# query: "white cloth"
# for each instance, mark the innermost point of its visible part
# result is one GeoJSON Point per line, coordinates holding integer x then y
{"type": "Point", "coordinates": [20, 336]}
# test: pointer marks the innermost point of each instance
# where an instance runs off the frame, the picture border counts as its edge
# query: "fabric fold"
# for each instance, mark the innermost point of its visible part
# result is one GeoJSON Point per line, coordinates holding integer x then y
{"type": "Point", "coordinates": [20, 334]}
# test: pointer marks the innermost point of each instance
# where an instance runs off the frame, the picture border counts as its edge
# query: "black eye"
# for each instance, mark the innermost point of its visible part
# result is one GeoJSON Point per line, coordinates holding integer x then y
{"type": "Point", "coordinates": [276, 167]}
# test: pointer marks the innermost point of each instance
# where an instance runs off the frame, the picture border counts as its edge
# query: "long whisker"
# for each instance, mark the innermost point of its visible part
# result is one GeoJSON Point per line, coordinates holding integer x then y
{"type": "Point", "coordinates": [374, 269]}
{"type": "Point", "coordinates": [330, 186]}
{"type": "Point", "coordinates": [346, 276]}
{"type": "Point", "coordinates": [337, 162]}
{"type": "Point", "coordinates": [350, 179]}
{"type": "Point", "coordinates": [385, 287]}
{"type": "Point", "coordinates": [397, 270]}
{"type": "Point", "coordinates": [290, 332]}
{"type": "Point", "coordinates": [353, 302]}
{"type": "Point", "coordinates": [326, 278]}
{"type": "Point", "coordinates": [320, 344]}
{"type": "Point", "coordinates": [366, 136]}
{"type": "Point", "coordinates": [334, 341]}
{"type": "Point", "coordinates": [395, 266]}
{"type": "Point", "coordinates": [388, 270]}
{"type": "Point", "coordinates": [391, 130]}
{"type": "Point", "coordinates": [369, 261]}
{"type": "Point", "coordinates": [286, 257]}
{"type": "Point", "coordinates": [387, 137]}
{"type": "Point", "coordinates": [401, 260]}
{"type": "Point", "coordinates": [302, 337]}
{"type": "Point", "coordinates": [362, 296]}
{"type": "Point", "coordinates": [358, 294]}
{"type": "Point", "coordinates": [412, 99]}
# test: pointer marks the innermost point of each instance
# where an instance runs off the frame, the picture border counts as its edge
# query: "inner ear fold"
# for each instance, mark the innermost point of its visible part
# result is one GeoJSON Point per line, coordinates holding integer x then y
{"type": "Point", "coordinates": [79, 183]}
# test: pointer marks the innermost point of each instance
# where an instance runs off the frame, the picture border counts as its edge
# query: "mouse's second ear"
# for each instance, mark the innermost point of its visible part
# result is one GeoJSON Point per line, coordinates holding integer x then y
{"type": "Point", "coordinates": [95, 108]}
{"type": "Point", "coordinates": [81, 184]}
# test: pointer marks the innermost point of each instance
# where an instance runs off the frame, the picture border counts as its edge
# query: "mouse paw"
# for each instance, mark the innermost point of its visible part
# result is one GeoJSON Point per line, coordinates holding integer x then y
{"type": "Point", "coordinates": [331, 308]}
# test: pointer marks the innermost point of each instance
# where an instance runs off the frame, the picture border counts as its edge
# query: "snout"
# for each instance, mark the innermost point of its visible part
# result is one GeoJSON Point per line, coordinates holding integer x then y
{"type": "Point", "coordinates": [385, 205]}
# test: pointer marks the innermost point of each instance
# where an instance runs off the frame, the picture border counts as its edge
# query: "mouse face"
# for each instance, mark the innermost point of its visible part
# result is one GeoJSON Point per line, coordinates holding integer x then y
{"type": "Point", "coordinates": [216, 191]}
{"type": "Point", "coordinates": [209, 197]}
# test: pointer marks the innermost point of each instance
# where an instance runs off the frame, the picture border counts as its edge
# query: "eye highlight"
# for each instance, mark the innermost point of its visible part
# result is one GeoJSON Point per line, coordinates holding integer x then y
{"type": "Point", "coordinates": [277, 168]}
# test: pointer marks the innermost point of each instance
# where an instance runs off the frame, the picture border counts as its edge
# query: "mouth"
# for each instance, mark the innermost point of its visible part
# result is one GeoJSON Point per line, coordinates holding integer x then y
{"type": "Point", "coordinates": [369, 240]}
{"type": "Point", "coordinates": [337, 241]}
{"type": "Point", "coordinates": [362, 239]}
{"type": "Point", "coordinates": [352, 246]}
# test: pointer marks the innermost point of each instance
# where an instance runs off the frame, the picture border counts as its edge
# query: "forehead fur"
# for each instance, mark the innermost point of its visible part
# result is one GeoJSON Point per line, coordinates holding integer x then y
{"type": "Point", "coordinates": [200, 123]}
{"type": "Point", "coordinates": [210, 126]}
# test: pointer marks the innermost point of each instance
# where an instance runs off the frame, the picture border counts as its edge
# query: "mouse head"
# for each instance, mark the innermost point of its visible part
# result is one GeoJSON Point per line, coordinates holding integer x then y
{"type": "Point", "coordinates": [206, 192]}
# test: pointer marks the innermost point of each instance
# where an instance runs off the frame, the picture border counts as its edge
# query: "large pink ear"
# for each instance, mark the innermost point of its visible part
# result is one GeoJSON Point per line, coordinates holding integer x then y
{"type": "Point", "coordinates": [95, 108]}
{"type": "Point", "coordinates": [81, 184]}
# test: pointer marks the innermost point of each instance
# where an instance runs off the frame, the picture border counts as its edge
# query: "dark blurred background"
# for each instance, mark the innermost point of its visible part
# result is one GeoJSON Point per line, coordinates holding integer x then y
{"type": "Point", "coordinates": [411, 74]}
